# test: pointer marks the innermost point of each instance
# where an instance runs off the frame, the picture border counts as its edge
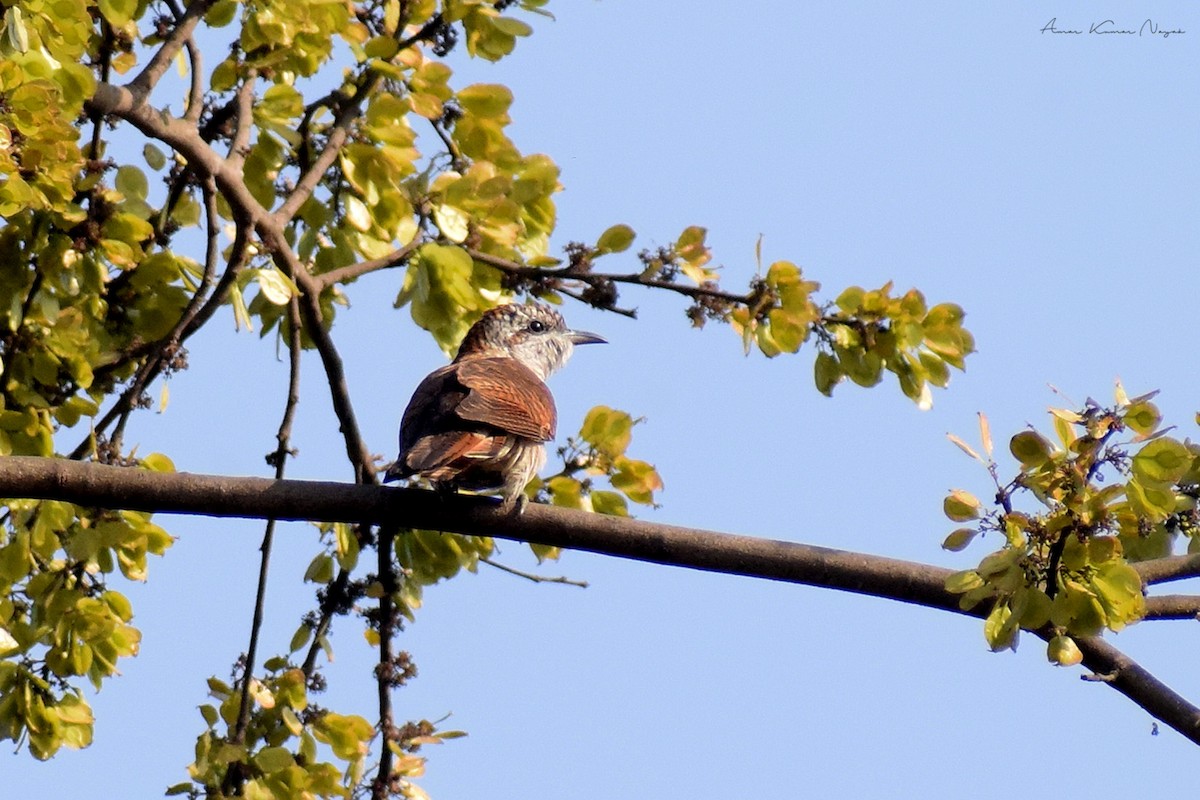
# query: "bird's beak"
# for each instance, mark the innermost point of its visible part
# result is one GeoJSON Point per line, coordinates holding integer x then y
{"type": "Point", "coordinates": [583, 337]}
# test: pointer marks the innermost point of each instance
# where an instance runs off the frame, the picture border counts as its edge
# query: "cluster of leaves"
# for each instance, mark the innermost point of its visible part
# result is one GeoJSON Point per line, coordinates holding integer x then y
{"type": "Point", "coordinates": [44, 83]}
{"type": "Point", "coordinates": [58, 618]}
{"type": "Point", "coordinates": [1103, 502]}
{"type": "Point", "coordinates": [282, 750]}
{"type": "Point", "coordinates": [73, 311]}
{"type": "Point", "coordinates": [100, 287]}
{"type": "Point", "coordinates": [859, 335]}
{"type": "Point", "coordinates": [598, 452]}
{"type": "Point", "coordinates": [871, 331]}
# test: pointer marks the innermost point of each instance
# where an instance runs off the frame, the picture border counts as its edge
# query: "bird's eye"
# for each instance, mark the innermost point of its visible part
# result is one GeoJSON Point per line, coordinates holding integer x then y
{"type": "Point", "coordinates": [537, 326]}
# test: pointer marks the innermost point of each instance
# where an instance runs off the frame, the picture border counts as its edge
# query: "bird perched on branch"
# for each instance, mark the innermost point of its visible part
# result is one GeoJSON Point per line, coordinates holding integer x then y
{"type": "Point", "coordinates": [480, 422]}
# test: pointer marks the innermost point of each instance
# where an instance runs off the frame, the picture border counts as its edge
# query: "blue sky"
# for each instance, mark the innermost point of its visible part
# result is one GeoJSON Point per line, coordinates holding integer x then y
{"type": "Point", "coordinates": [1047, 183]}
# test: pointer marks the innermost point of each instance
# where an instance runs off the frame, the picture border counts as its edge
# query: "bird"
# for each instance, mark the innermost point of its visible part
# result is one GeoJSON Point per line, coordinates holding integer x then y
{"type": "Point", "coordinates": [481, 422]}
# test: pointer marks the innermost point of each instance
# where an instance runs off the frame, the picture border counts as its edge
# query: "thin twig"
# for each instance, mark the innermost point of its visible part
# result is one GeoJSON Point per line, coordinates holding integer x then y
{"type": "Point", "coordinates": [336, 589]}
{"type": "Point", "coordinates": [279, 459]}
{"type": "Point", "coordinates": [568, 273]}
{"type": "Point", "coordinates": [235, 777]}
{"type": "Point", "coordinates": [385, 671]}
{"type": "Point", "coordinates": [345, 114]}
{"type": "Point", "coordinates": [531, 576]}
{"type": "Point", "coordinates": [457, 161]}
{"type": "Point", "coordinates": [199, 308]}
{"type": "Point", "coordinates": [349, 272]}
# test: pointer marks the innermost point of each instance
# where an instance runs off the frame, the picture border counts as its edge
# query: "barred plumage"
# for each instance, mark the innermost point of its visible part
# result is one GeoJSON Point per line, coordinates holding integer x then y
{"type": "Point", "coordinates": [480, 423]}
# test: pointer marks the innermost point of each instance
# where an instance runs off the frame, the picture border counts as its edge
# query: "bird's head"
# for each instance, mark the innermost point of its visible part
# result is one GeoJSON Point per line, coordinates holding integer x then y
{"type": "Point", "coordinates": [534, 334]}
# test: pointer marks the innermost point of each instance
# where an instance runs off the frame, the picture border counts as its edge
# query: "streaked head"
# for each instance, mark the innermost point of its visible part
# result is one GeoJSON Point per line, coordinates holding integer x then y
{"type": "Point", "coordinates": [534, 334]}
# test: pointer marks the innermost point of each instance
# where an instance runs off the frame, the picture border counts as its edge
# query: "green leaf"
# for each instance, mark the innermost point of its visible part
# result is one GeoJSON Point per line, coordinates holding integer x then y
{"type": "Point", "coordinates": [132, 183]}
{"type": "Point", "coordinates": [118, 12]}
{"type": "Point", "coordinates": [1119, 590]}
{"type": "Point", "coordinates": [346, 735]}
{"type": "Point", "coordinates": [637, 480]}
{"type": "Point", "coordinates": [1063, 651]}
{"type": "Point", "coordinates": [14, 30]}
{"type": "Point", "coordinates": [1032, 607]}
{"type": "Point", "coordinates": [1162, 461]}
{"type": "Point", "coordinates": [610, 503]}
{"type": "Point", "coordinates": [273, 759]}
{"type": "Point", "coordinates": [1030, 449]}
{"type": "Point", "coordinates": [964, 581]}
{"type": "Point", "coordinates": [300, 638]}
{"type": "Point", "coordinates": [616, 239]}
{"type": "Point", "coordinates": [1153, 501]}
{"type": "Point", "coordinates": [565, 492]}
{"type": "Point", "coordinates": [1142, 418]}
{"type": "Point", "coordinates": [1077, 609]}
{"type": "Point", "coordinates": [827, 373]}
{"type": "Point", "coordinates": [157, 462]}
{"type": "Point", "coordinates": [486, 99]}
{"type": "Point", "coordinates": [320, 569]}
{"type": "Point", "coordinates": [221, 13]}
{"type": "Point", "coordinates": [961, 506]}
{"type": "Point", "coordinates": [381, 47]}
{"type": "Point", "coordinates": [512, 26]}
{"type": "Point", "coordinates": [608, 430]}
{"type": "Point", "coordinates": [155, 158]}
{"type": "Point", "coordinates": [276, 287]}
{"type": "Point", "coordinates": [959, 539]}
{"type": "Point", "coordinates": [1000, 628]}
{"type": "Point", "coordinates": [851, 299]}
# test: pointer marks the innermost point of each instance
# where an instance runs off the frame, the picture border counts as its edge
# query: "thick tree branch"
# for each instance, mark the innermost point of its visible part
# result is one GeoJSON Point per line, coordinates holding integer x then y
{"type": "Point", "coordinates": [243, 121]}
{"type": "Point", "coordinates": [103, 486]}
{"type": "Point", "coordinates": [160, 62]}
{"type": "Point", "coordinates": [1171, 568]}
{"type": "Point", "coordinates": [1173, 606]}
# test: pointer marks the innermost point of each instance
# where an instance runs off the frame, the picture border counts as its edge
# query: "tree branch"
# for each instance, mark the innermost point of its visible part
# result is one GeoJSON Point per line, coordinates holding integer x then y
{"type": "Point", "coordinates": [278, 459]}
{"type": "Point", "coordinates": [1173, 606]}
{"type": "Point", "coordinates": [1171, 568]}
{"type": "Point", "coordinates": [104, 486]}
{"type": "Point", "coordinates": [160, 62]}
{"type": "Point", "coordinates": [195, 105]}
{"type": "Point", "coordinates": [594, 278]}
{"type": "Point", "coordinates": [349, 272]}
{"type": "Point", "coordinates": [248, 212]}
{"type": "Point", "coordinates": [533, 576]}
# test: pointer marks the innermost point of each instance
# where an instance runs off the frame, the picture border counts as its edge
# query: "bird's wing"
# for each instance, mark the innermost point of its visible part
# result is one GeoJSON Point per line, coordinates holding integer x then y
{"type": "Point", "coordinates": [431, 409]}
{"type": "Point", "coordinates": [505, 394]}
{"type": "Point", "coordinates": [445, 456]}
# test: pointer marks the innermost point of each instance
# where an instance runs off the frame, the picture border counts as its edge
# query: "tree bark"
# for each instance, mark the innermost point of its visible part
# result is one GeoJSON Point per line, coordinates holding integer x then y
{"type": "Point", "coordinates": [220, 496]}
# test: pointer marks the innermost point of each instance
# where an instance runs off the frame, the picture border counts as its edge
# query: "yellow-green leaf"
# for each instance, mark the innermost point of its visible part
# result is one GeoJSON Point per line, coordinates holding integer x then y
{"type": "Point", "coordinates": [959, 539]}
{"type": "Point", "coordinates": [1162, 461]}
{"type": "Point", "coordinates": [961, 506]}
{"type": "Point", "coordinates": [1063, 651]}
{"type": "Point", "coordinates": [616, 239]}
{"type": "Point", "coordinates": [1030, 449]}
